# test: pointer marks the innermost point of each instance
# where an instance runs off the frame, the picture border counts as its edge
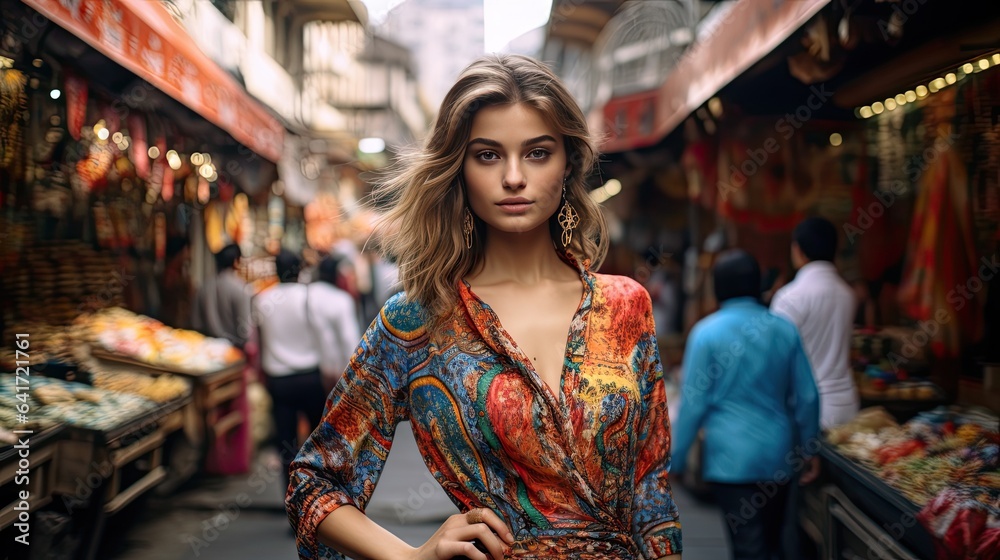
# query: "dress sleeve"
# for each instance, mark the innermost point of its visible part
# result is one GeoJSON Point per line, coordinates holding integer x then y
{"type": "Point", "coordinates": [656, 525]}
{"type": "Point", "coordinates": [342, 460]}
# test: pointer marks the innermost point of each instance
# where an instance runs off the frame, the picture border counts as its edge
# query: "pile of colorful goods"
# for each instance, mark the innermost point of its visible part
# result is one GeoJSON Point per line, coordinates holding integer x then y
{"type": "Point", "coordinates": [947, 461]}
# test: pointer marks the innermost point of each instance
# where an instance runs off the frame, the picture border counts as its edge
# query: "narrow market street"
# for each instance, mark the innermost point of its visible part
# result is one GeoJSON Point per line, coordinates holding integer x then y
{"type": "Point", "coordinates": [206, 522]}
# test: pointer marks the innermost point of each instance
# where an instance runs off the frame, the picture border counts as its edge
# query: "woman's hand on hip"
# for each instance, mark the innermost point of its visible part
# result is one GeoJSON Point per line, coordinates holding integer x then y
{"type": "Point", "coordinates": [457, 535]}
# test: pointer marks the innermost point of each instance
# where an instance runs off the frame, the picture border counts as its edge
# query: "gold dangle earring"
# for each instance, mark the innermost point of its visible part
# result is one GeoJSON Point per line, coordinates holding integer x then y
{"type": "Point", "coordinates": [568, 218]}
{"type": "Point", "coordinates": [467, 227]}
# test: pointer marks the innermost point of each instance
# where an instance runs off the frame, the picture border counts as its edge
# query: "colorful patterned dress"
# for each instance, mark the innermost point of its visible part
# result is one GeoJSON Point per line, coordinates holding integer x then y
{"type": "Point", "coordinates": [582, 474]}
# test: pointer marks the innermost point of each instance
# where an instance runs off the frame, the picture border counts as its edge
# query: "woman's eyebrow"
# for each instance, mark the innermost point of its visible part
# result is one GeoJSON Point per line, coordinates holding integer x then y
{"type": "Point", "coordinates": [486, 142]}
{"type": "Point", "coordinates": [542, 138]}
{"type": "Point", "coordinates": [528, 142]}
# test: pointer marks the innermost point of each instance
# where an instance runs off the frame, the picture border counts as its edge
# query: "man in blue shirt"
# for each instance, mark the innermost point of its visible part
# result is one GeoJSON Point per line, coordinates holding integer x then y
{"type": "Point", "coordinates": [749, 386]}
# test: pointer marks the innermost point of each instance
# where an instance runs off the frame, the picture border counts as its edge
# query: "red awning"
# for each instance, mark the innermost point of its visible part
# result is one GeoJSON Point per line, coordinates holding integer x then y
{"type": "Point", "coordinates": [144, 38]}
{"type": "Point", "coordinates": [745, 34]}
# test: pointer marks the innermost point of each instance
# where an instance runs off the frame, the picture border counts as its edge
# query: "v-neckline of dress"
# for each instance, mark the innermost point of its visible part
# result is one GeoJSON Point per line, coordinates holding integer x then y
{"type": "Point", "coordinates": [518, 355]}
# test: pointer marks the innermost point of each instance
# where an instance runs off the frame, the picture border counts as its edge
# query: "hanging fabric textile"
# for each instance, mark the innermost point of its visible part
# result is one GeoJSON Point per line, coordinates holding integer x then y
{"type": "Point", "coordinates": [940, 280]}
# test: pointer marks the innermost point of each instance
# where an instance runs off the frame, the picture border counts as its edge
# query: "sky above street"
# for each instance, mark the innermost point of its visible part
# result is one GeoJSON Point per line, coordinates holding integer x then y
{"type": "Point", "coordinates": [505, 19]}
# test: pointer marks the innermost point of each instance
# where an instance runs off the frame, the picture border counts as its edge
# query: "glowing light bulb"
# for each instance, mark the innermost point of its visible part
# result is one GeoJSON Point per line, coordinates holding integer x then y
{"type": "Point", "coordinates": [715, 106]}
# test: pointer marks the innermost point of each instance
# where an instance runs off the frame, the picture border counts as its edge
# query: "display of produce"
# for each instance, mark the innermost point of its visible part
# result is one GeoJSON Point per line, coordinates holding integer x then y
{"type": "Point", "coordinates": [149, 341]}
{"type": "Point", "coordinates": [876, 384]}
{"type": "Point", "coordinates": [52, 401]}
{"type": "Point", "coordinates": [161, 389]}
{"type": "Point", "coordinates": [946, 461]}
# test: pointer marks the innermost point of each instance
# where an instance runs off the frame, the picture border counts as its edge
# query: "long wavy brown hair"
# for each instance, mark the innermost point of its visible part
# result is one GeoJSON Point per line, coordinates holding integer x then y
{"type": "Point", "coordinates": [422, 228]}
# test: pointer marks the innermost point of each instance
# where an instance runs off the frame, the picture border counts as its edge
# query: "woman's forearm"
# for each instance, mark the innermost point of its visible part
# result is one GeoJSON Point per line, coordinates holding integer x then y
{"type": "Point", "coordinates": [353, 533]}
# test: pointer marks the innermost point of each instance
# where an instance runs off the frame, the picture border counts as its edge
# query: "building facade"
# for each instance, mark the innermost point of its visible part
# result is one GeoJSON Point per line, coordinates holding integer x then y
{"type": "Point", "coordinates": [444, 37]}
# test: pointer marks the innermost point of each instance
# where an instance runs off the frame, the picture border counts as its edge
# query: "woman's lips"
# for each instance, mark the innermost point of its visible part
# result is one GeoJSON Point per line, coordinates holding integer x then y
{"type": "Point", "coordinates": [515, 208]}
{"type": "Point", "coordinates": [514, 205]}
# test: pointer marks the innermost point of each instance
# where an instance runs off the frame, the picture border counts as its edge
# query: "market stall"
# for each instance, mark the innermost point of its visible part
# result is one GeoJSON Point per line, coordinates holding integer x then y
{"type": "Point", "coordinates": [160, 355]}
{"type": "Point", "coordinates": [41, 476]}
{"type": "Point", "coordinates": [102, 449]}
{"type": "Point", "coordinates": [930, 486]}
{"type": "Point", "coordinates": [892, 136]}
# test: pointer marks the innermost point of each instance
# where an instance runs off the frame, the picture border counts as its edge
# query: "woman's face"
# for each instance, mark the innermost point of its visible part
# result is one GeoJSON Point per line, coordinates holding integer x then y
{"type": "Point", "coordinates": [514, 168]}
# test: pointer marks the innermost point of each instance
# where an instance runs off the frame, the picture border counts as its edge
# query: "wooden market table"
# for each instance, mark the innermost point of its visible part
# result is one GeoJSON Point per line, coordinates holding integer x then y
{"type": "Point", "coordinates": [41, 473]}
{"type": "Point", "coordinates": [215, 410]}
{"type": "Point", "coordinates": [100, 472]}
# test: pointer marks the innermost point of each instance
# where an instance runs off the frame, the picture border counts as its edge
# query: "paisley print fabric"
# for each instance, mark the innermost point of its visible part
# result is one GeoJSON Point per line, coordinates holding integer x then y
{"type": "Point", "coordinates": [578, 474]}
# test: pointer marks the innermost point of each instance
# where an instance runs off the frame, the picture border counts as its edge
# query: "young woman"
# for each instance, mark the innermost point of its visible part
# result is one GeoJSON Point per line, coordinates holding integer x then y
{"type": "Point", "coordinates": [533, 385]}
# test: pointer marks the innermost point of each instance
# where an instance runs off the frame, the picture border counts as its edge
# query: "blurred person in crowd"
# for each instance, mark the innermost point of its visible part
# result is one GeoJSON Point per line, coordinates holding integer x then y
{"type": "Point", "coordinates": [222, 307]}
{"type": "Point", "coordinates": [310, 265]}
{"type": "Point", "coordinates": [823, 307]}
{"type": "Point", "coordinates": [663, 290]}
{"type": "Point", "coordinates": [533, 385]}
{"type": "Point", "coordinates": [335, 320]}
{"type": "Point", "coordinates": [353, 276]}
{"type": "Point", "coordinates": [290, 353]}
{"type": "Point", "coordinates": [748, 385]}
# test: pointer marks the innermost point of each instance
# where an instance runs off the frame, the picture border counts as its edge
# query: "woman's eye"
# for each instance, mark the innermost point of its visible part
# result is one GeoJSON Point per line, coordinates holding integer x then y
{"type": "Point", "coordinates": [488, 156]}
{"type": "Point", "coordinates": [538, 153]}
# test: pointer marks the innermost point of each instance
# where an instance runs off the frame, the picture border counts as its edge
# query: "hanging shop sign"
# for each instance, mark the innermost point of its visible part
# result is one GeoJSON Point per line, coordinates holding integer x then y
{"type": "Point", "coordinates": [630, 119]}
{"type": "Point", "coordinates": [144, 38]}
{"type": "Point", "coordinates": [746, 33]}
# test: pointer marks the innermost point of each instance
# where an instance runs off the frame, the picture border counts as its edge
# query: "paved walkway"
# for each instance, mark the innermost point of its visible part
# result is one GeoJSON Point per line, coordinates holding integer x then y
{"type": "Point", "coordinates": [209, 522]}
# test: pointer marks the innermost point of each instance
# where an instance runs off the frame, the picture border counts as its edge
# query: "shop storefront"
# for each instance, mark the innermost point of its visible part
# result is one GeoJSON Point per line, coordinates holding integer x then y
{"type": "Point", "coordinates": [880, 118]}
{"type": "Point", "coordinates": [127, 158]}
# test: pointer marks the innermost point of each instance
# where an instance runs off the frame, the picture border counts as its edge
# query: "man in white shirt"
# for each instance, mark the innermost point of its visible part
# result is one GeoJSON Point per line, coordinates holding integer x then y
{"type": "Point", "coordinates": [822, 306]}
{"type": "Point", "coordinates": [290, 355]}
{"type": "Point", "coordinates": [335, 320]}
